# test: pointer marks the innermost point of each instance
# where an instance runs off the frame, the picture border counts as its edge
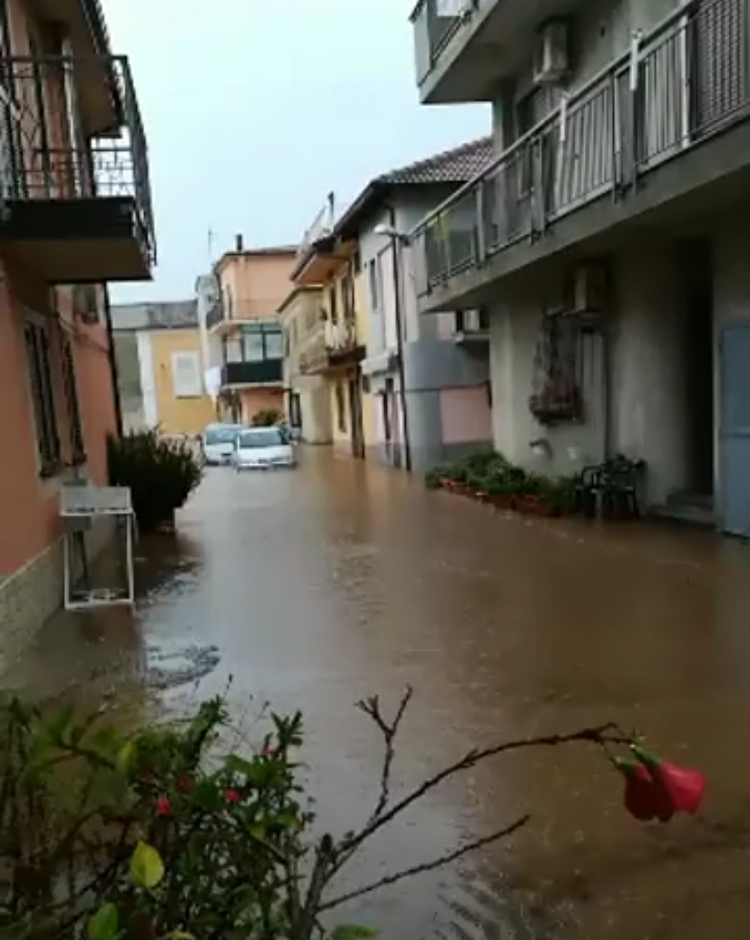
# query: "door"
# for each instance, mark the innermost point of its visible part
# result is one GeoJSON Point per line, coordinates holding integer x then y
{"type": "Point", "coordinates": [734, 430]}
{"type": "Point", "coordinates": [355, 407]}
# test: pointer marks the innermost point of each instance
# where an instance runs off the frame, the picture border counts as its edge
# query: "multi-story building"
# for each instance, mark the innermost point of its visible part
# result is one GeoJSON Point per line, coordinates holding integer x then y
{"type": "Point", "coordinates": [76, 213]}
{"type": "Point", "coordinates": [238, 312]}
{"type": "Point", "coordinates": [335, 345]}
{"type": "Point", "coordinates": [428, 376]}
{"type": "Point", "coordinates": [607, 237]}
{"type": "Point", "coordinates": [308, 396]}
{"type": "Point", "coordinates": [160, 368]}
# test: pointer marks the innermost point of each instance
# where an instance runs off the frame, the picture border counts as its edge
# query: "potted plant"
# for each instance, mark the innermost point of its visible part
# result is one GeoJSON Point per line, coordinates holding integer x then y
{"type": "Point", "coordinates": [160, 474]}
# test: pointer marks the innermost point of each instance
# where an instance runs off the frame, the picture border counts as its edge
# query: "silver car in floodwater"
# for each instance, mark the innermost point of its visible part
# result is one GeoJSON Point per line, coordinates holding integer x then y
{"type": "Point", "coordinates": [263, 449]}
{"type": "Point", "coordinates": [218, 443]}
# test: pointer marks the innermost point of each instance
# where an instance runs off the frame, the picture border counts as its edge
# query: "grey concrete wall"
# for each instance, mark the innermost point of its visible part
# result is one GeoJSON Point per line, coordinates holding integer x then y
{"type": "Point", "coordinates": [647, 411]}
{"type": "Point", "coordinates": [129, 380]}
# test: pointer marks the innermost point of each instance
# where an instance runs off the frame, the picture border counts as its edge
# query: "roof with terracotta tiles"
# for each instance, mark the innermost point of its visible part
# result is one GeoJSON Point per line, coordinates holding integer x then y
{"type": "Point", "coordinates": [458, 165]}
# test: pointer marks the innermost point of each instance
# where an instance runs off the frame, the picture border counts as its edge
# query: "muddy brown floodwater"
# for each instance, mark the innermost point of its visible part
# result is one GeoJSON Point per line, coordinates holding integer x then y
{"type": "Point", "coordinates": [317, 587]}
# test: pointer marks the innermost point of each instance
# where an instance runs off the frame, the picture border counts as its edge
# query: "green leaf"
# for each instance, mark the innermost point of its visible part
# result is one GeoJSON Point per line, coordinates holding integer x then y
{"type": "Point", "coordinates": [125, 756]}
{"type": "Point", "coordinates": [103, 925]}
{"type": "Point", "coordinates": [353, 932]}
{"type": "Point", "coordinates": [238, 765]}
{"type": "Point", "coordinates": [146, 866]}
{"type": "Point", "coordinates": [179, 935]}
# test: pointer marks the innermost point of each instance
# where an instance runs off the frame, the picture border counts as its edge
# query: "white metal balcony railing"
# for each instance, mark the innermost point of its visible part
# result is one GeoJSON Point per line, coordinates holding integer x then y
{"type": "Point", "coordinates": [688, 79]}
{"type": "Point", "coordinates": [435, 23]}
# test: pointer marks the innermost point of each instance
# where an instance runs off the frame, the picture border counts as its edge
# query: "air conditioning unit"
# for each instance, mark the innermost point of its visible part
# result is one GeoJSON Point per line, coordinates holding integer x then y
{"type": "Point", "coordinates": [551, 56]}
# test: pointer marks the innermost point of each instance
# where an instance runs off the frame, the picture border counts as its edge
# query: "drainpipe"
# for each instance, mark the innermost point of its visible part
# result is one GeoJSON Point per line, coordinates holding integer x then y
{"type": "Point", "coordinates": [396, 245]}
{"type": "Point", "coordinates": [111, 355]}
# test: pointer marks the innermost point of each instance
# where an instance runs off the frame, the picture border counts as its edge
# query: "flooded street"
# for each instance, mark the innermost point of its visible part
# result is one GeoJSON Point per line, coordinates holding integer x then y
{"type": "Point", "coordinates": [315, 588]}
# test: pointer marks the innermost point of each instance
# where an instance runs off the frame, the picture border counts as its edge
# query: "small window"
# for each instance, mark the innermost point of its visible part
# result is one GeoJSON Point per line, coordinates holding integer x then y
{"type": "Point", "coordinates": [42, 393]}
{"type": "Point", "coordinates": [374, 284]}
{"type": "Point", "coordinates": [75, 426]}
{"type": "Point", "coordinates": [186, 375]}
{"type": "Point", "coordinates": [341, 407]}
{"type": "Point", "coordinates": [274, 344]}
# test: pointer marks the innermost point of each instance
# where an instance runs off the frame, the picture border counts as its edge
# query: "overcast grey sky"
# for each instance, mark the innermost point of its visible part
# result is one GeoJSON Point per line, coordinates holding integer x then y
{"type": "Point", "coordinates": [256, 109]}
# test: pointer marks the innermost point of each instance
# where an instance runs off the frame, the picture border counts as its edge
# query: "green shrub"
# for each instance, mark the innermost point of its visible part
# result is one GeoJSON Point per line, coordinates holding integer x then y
{"type": "Point", "coordinates": [267, 418]}
{"type": "Point", "coordinates": [160, 474]}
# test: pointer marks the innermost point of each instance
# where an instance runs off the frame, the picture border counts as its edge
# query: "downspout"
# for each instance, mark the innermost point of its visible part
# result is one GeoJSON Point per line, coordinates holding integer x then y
{"type": "Point", "coordinates": [111, 355]}
{"type": "Point", "coordinates": [396, 249]}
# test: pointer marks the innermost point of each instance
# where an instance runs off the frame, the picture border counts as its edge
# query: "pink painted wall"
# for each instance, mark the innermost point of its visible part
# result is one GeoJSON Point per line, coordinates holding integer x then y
{"type": "Point", "coordinates": [28, 504]}
{"type": "Point", "coordinates": [465, 415]}
{"type": "Point", "coordinates": [258, 282]}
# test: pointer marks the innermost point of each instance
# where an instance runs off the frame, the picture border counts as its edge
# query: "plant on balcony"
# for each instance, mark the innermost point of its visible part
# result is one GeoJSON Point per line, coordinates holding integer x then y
{"type": "Point", "coordinates": [167, 835]}
{"type": "Point", "coordinates": [267, 418]}
{"type": "Point", "coordinates": [161, 475]}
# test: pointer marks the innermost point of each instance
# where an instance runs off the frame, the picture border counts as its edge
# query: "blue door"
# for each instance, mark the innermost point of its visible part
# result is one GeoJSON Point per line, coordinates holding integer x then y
{"type": "Point", "coordinates": [734, 430]}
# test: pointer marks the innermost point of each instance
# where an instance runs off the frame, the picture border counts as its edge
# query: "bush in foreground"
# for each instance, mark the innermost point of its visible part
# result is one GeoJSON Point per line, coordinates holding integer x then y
{"type": "Point", "coordinates": [161, 474]}
{"type": "Point", "coordinates": [161, 836]}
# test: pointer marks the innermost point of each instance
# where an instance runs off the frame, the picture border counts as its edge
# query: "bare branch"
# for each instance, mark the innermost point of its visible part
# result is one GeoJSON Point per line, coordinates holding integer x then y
{"type": "Point", "coordinates": [601, 735]}
{"type": "Point", "coordinates": [427, 866]}
{"type": "Point", "coordinates": [371, 707]}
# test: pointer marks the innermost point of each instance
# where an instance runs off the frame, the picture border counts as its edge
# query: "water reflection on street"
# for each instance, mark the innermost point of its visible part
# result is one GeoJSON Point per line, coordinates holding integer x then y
{"type": "Point", "coordinates": [317, 587]}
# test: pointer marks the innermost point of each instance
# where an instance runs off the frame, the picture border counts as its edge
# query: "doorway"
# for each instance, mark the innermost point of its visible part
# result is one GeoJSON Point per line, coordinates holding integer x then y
{"type": "Point", "coordinates": [697, 278]}
{"type": "Point", "coordinates": [735, 430]}
{"type": "Point", "coordinates": [355, 415]}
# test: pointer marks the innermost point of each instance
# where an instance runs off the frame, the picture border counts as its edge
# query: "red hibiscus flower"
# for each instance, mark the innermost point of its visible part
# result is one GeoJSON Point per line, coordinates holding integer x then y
{"type": "Point", "coordinates": [644, 797]}
{"type": "Point", "coordinates": [684, 786]}
{"type": "Point", "coordinates": [232, 796]}
{"type": "Point", "coordinates": [163, 806]}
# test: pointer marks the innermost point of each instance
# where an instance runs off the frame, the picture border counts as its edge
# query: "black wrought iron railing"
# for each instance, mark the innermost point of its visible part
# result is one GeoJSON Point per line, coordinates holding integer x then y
{"type": "Point", "coordinates": [688, 79]}
{"type": "Point", "coordinates": [45, 151]}
{"type": "Point", "coordinates": [435, 23]}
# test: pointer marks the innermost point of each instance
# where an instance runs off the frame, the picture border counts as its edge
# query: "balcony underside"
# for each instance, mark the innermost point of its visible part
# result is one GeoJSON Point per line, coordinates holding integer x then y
{"type": "Point", "coordinates": [489, 45]}
{"type": "Point", "coordinates": [679, 196]}
{"type": "Point", "coordinates": [77, 241]}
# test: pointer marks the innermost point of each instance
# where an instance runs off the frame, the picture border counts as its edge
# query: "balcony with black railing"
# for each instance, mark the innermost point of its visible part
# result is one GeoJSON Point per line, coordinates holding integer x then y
{"type": "Point", "coordinates": [261, 372]}
{"type": "Point", "coordinates": [75, 186]}
{"type": "Point", "coordinates": [655, 126]}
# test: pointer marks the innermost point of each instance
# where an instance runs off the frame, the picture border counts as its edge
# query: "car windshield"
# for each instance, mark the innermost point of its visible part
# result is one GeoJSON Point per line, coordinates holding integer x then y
{"type": "Point", "coordinates": [267, 437]}
{"type": "Point", "coordinates": [221, 435]}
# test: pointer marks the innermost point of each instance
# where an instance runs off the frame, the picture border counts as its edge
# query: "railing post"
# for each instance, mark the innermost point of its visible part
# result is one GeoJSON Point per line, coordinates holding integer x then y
{"type": "Point", "coordinates": [481, 239]}
{"type": "Point", "coordinates": [634, 72]}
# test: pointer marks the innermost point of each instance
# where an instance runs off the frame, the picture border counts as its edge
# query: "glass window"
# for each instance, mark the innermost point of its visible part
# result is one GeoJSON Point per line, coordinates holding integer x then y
{"type": "Point", "coordinates": [252, 341]}
{"type": "Point", "coordinates": [48, 442]}
{"type": "Point", "coordinates": [263, 437]}
{"type": "Point", "coordinates": [223, 434]}
{"type": "Point", "coordinates": [274, 345]}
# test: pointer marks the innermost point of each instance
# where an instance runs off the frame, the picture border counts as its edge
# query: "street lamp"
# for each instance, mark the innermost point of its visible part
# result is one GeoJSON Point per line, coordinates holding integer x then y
{"type": "Point", "coordinates": [399, 240]}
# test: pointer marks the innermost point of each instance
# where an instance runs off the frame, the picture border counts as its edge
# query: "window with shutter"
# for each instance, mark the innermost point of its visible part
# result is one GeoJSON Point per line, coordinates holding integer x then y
{"type": "Point", "coordinates": [75, 426]}
{"type": "Point", "coordinates": [186, 375]}
{"type": "Point", "coordinates": [43, 399]}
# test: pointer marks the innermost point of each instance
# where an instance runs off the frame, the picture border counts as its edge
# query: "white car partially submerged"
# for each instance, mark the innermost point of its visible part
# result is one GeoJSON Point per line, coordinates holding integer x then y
{"type": "Point", "coordinates": [263, 449]}
{"type": "Point", "coordinates": [218, 443]}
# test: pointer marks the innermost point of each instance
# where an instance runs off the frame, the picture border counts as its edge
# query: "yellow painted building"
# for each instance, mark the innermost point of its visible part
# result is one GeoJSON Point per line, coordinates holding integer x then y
{"type": "Point", "coordinates": [332, 265]}
{"type": "Point", "coordinates": [161, 365]}
{"type": "Point", "coordinates": [182, 406]}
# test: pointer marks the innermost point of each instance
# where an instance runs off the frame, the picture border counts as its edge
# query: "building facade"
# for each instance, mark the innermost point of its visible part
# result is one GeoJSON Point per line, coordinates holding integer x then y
{"type": "Point", "coordinates": [428, 376]}
{"type": "Point", "coordinates": [605, 238]}
{"type": "Point", "coordinates": [336, 346]}
{"type": "Point", "coordinates": [76, 214]}
{"type": "Point", "coordinates": [238, 312]}
{"type": "Point", "coordinates": [160, 367]}
{"type": "Point", "coordinates": [308, 404]}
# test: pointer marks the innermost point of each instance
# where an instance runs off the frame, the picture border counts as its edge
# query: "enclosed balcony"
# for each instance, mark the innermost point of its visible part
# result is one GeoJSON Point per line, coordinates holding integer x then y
{"type": "Point", "coordinates": [659, 136]}
{"type": "Point", "coordinates": [76, 198]}
{"type": "Point", "coordinates": [247, 374]}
